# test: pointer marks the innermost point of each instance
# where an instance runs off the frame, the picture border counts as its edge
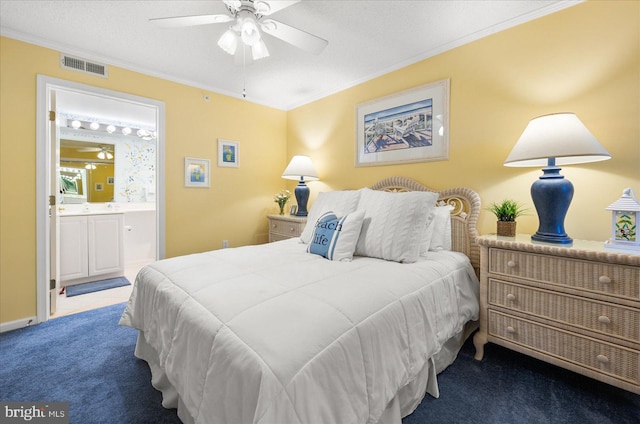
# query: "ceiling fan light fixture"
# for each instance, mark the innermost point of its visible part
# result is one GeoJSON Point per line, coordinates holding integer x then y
{"type": "Point", "coordinates": [234, 4]}
{"type": "Point", "coordinates": [259, 50]}
{"type": "Point", "coordinates": [229, 41]}
{"type": "Point", "coordinates": [102, 154]}
{"type": "Point", "coordinates": [262, 7]}
{"type": "Point", "coordinates": [249, 31]}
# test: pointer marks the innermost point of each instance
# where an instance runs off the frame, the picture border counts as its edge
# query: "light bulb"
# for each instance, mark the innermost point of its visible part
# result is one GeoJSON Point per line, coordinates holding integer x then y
{"type": "Point", "coordinates": [111, 129]}
{"type": "Point", "coordinates": [229, 41]}
{"type": "Point", "coordinates": [101, 155]}
{"type": "Point", "coordinates": [94, 126]}
{"type": "Point", "coordinates": [75, 124]}
{"type": "Point", "coordinates": [126, 131]}
{"type": "Point", "coordinates": [109, 155]}
{"type": "Point", "coordinates": [249, 31]}
{"type": "Point", "coordinates": [259, 51]}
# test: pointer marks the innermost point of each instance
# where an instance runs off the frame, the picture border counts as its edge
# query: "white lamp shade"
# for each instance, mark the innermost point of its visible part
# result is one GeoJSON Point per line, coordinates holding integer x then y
{"type": "Point", "coordinates": [229, 41]}
{"type": "Point", "coordinates": [561, 136]}
{"type": "Point", "coordinates": [259, 50]}
{"type": "Point", "coordinates": [300, 166]}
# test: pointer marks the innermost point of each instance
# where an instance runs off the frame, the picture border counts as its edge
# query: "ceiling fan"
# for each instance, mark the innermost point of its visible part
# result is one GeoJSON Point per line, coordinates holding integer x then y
{"type": "Point", "coordinates": [104, 152]}
{"type": "Point", "coordinates": [249, 19]}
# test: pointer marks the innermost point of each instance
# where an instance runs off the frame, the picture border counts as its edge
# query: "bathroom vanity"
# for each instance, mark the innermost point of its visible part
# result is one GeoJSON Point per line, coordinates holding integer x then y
{"type": "Point", "coordinates": [91, 246]}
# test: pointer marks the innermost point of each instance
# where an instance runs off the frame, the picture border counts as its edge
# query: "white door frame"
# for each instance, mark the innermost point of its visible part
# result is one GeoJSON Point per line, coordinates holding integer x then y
{"type": "Point", "coordinates": [45, 86]}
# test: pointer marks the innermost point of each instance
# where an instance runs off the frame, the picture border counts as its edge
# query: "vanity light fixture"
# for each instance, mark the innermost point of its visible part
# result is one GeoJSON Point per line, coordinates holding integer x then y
{"type": "Point", "coordinates": [135, 131]}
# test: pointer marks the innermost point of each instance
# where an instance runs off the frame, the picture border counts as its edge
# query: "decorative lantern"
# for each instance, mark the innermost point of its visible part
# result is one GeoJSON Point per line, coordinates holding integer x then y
{"type": "Point", "coordinates": [625, 217]}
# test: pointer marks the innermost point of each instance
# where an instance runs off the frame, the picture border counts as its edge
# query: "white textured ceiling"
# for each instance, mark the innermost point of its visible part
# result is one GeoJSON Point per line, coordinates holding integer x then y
{"type": "Point", "coordinates": [366, 39]}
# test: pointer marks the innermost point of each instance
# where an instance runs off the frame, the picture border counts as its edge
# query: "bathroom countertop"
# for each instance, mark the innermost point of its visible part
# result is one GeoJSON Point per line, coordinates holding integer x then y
{"type": "Point", "coordinates": [100, 212]}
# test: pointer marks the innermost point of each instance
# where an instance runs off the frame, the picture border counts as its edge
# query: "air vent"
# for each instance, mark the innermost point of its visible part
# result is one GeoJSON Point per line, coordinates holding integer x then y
{"type": "Point", "coordinates": [82, 65]}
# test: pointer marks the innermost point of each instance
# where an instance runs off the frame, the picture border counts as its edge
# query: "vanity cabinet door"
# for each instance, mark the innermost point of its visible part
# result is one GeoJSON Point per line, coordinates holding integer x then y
{"type": "Point", "coordinates": [73, 248]}
{"type": "Point", "coordinates": [105, 243]}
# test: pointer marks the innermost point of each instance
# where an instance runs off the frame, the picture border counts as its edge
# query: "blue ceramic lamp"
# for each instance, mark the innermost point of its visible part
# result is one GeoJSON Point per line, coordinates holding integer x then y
{"type": "Point", "coordinates": [301, 168]}
{"type": "Point", "coordinates": [552, 140]}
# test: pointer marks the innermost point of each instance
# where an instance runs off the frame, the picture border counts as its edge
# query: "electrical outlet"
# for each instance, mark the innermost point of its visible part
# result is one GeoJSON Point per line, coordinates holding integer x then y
{"type": "Point", "coordinates": [225, 244]}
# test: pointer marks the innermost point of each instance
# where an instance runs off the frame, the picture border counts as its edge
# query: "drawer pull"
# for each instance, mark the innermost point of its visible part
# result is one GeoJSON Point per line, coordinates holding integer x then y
{"type": "Point", "coordinates": [604, 279]}
{"type": "Point", "coordinates": [511, 297]}
{"type": "Point", "coordinates": [602, 319]}
{"type": "Point", "coordinates": [511, 264]}
{"type": "Point", "coordinates": [274, 225]}
{"type": "Point", "coordinates": [292, 229]}
{"type": "Point", "coordinates": [602, 359]}
{"type": "Point", "coordinates": [511, 330]}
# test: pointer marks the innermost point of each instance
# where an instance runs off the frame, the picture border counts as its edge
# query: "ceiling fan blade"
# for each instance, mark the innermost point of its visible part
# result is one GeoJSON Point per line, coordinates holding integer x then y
{"type": "Point", "coordinates": [294, 36]}
{"type": "Point", "coordinates": [89, 149]}
{"type": "Point", "coordinates": [185, 21]}
{"type": "Point", "coordinates": [266, 8]}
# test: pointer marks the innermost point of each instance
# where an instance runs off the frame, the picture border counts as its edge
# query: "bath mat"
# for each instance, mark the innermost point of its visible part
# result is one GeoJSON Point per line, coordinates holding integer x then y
{"type": "Point", "coordinates": [94, 286]}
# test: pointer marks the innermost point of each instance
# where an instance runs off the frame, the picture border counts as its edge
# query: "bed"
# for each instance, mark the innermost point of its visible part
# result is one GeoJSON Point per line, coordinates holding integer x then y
{"type": "Point", "coordinates": [279, 333]}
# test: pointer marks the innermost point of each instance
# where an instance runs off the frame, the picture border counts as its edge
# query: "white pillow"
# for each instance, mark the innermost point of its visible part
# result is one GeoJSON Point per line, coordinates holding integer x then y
{"type": "Point", "coordinates": [335, 238]}
{"type": "Point", "coordinates": [393, 224]}
{"type": "Point", "coordinates": [437, 235]}
{"type": "Point", "coordinates": [341, 202]}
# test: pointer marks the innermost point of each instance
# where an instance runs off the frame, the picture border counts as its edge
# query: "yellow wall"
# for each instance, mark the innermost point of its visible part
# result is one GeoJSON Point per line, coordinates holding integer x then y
{"type": "Point", "coordinates": [584, 59]}
{"type": "Point", "coordinates": [233, 209]}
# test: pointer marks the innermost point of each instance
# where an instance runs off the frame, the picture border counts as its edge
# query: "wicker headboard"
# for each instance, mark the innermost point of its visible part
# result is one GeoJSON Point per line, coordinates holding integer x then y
{"type": "Point", "coordinates": [464, 216]}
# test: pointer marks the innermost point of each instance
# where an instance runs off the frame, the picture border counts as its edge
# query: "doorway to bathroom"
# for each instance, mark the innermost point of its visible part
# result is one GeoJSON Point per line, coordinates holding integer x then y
{"type": "Point", "coordinates": [97, 151]}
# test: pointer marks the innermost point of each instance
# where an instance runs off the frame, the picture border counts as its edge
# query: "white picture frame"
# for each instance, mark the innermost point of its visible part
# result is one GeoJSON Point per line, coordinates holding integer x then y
{"type": "Point", "coordinates": [406, 127]}
{"type": "Point", "coordinates": [196, 172]}
{"type": "Point", "coordinates": [228, 153]}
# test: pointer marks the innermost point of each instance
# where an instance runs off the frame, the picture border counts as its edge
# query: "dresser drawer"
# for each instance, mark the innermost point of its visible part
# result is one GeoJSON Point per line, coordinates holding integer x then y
{"type": "Point", "coordinates": [593, 355]}
{"type": "Point", "coordinates": [598, 277]}
{"type": "Point", "coordinates": [289, 229]}
{"type": "Point", "coordinates": [603, 317]}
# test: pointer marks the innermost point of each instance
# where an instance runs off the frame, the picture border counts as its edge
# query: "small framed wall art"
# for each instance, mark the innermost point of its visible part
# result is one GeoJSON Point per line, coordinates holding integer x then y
{"type": "Point", "coordinates": [196, 172]}
{"type": "Point", "coordinates": [228, 153]}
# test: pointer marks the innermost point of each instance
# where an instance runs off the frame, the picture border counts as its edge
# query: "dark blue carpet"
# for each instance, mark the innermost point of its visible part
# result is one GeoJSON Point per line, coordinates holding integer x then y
{"type": "Point", "coordinates": [87, 360]}
{"type": "Point", "coordinates": [94, 286]}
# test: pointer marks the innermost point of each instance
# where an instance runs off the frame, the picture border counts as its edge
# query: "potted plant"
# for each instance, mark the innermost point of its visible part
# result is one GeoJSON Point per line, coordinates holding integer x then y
{"type": "Point", "coordinates": [507, 211]}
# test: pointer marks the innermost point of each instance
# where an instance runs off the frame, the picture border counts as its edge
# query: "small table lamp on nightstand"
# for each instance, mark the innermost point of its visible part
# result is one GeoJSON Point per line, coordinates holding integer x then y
{"type": "Point", "coordinates": [551, 140]}
{"type": "Point", "coordinates": [300, 168]}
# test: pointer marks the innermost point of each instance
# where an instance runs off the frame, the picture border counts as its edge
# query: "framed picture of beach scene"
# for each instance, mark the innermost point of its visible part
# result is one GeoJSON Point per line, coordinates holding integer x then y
{"type": "Point", "coordinates": [196, 172]}
{"type": "Point", "coordinates": [405, 127]}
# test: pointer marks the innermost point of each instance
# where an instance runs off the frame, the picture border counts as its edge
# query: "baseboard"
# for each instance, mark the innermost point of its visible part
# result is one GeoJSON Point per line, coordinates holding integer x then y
{"type": "Point", "coordinates": [14, 325]}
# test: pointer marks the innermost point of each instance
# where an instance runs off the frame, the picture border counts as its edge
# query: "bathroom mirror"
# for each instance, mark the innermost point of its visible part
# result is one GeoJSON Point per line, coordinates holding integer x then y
{"type": "Point", "coordinates": [87, 172]}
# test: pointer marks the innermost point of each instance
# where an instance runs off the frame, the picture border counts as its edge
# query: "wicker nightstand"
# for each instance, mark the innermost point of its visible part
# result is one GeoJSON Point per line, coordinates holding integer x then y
{"type": "Point", "coordinates": [576, 307]}
{"type": "Point", "coordinates": [282, 227]}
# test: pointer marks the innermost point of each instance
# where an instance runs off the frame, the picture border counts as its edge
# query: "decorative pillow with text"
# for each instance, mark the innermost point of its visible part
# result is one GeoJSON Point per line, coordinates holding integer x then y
{"type": "Point", "coordinates": [336, 238]}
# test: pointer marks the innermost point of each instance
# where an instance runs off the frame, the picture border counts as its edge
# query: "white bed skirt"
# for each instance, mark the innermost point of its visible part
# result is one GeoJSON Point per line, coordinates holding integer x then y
{"type": "Point", "coordinates": [403, 404]}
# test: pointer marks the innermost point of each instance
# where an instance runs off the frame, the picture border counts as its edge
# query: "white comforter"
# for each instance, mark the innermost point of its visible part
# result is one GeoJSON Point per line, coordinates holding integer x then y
{"type": "Point", "coordinates": [272, 334]}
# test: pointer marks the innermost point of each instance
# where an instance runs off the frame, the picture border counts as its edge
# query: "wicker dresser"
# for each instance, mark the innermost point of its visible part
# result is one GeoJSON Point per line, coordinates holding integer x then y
{"type": "Point", "coordinates": [577, 307]}
{"type": "Point", "coordinates": [282, 227]}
